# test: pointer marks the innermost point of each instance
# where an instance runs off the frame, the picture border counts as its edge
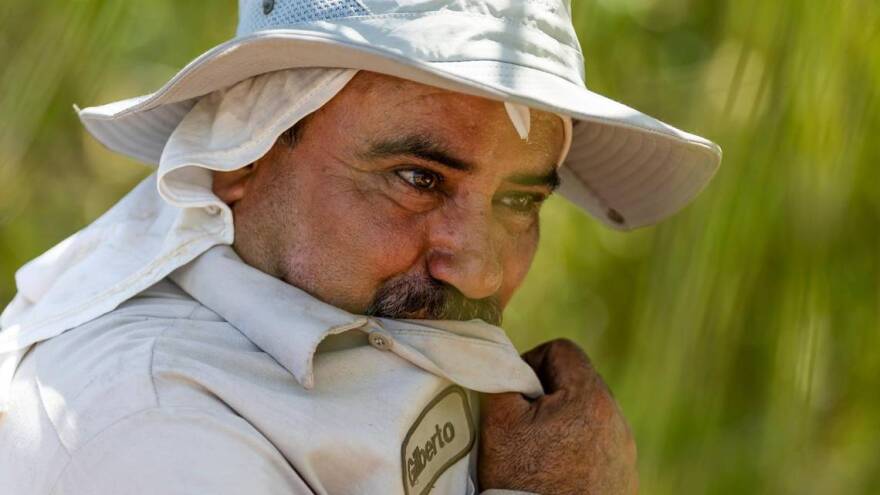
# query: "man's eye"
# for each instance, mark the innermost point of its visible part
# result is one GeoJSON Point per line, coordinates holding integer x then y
{"type": "Point", "coordinates": [523, 203]}
{"type": "Point", "coordinates": [420, 178]}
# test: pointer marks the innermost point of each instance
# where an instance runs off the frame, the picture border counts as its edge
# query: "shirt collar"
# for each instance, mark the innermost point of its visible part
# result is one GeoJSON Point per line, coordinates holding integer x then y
{"type": "Point", "coordinates": [289, 324]}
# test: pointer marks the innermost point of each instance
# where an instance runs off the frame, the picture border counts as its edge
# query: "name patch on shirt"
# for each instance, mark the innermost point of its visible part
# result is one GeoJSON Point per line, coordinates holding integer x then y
{"type": "Point", "coordinates": [442, 434]}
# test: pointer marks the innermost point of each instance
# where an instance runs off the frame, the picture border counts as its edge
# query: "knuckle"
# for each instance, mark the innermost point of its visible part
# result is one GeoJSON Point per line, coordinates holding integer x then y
{"type": "Point", "coordinates": [569, 349]}
{"type": "Point", "coordinates": [564, 343]}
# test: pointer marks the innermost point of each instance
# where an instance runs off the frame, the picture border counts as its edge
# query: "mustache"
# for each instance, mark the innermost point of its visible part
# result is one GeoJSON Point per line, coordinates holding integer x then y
{"type": "Point", "coordinates": [417, 297]}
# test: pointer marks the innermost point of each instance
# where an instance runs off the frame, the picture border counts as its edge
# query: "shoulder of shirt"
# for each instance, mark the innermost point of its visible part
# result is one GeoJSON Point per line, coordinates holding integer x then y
{"type": "Point", "coordinates": [114, 367]}
{"type": "Point", "coordinates": [178, 450]}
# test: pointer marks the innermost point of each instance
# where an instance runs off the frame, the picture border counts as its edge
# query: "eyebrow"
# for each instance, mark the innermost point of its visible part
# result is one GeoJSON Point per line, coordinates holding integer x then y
{"type": "Point", "coordinates": [419, 146]}
{"type": "Point", "coordinates": [550, 179]}
{"type": "Point", "coordinates": [423, 147]}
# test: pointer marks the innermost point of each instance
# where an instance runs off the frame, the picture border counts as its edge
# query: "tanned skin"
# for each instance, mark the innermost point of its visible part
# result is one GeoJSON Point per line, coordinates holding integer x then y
{"type": "Point", "coordinates": [393, 179]}
{"type": "Point", "coordinates": [573, 440]}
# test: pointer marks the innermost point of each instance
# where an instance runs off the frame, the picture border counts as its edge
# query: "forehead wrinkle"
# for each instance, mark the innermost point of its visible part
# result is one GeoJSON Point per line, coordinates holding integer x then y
{"type": "Point", "coordinates": [449, 103]}
{"type": "Point", "coordinates": [401, 92]}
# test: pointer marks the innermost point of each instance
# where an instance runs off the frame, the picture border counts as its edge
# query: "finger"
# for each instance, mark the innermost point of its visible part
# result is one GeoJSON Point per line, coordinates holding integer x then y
{"type": "Point", "coordinates": [561, 365]}
{"type": "Point", "coordinates": [503, 408]}
{"type": "Point", "coordinates": [535, 357]}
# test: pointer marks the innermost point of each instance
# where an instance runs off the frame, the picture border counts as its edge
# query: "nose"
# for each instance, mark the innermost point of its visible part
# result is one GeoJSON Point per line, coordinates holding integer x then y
{"type": "Point", "coordinates": [462, 251]}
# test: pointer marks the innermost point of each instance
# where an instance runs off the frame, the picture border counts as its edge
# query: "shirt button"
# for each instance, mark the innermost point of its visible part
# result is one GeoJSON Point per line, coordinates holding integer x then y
{"type": "Point", "coordinates": [212, 209]}
{"type": "Point", "coordinates": [379, 341]}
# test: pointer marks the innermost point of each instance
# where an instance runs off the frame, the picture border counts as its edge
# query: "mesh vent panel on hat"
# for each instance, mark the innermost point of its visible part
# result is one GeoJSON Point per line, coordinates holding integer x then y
{"type": "Point", "coordinates": [252, 16]}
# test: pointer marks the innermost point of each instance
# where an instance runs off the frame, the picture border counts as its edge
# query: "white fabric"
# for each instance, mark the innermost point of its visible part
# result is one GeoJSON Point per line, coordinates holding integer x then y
{"type": "Point", "coordinates": [229, 381]}
{"type": "Point", "coordinates": [521, 118]}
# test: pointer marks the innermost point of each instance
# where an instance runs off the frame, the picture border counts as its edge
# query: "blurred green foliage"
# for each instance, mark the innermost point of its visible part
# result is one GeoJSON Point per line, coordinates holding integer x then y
{"type": "Point", "coordinates": [742, 338]}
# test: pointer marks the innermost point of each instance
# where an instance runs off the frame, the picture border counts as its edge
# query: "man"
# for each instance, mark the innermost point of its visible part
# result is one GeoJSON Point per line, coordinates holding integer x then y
{"type": "Point", "coordinates": [303, 299]}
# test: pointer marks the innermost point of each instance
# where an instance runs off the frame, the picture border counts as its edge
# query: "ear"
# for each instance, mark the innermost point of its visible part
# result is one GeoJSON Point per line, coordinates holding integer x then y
{"type": "Point", "coordinates": [232, 186]}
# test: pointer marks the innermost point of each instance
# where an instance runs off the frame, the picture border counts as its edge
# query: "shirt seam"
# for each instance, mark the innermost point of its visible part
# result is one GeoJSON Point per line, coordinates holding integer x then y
{"type": "Point", "coordinates": [87, 385]}
{"type": "Point", "coordinates": [156, 405]}
{"type": "Point", "coordinates": [128, 417]}
{"type": "Point", "coordinates": [161, 334]}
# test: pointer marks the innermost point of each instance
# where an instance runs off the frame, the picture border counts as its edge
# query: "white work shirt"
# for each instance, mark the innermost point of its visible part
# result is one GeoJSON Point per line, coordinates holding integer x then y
{"type": "Point", "coordinates": [224, 380]}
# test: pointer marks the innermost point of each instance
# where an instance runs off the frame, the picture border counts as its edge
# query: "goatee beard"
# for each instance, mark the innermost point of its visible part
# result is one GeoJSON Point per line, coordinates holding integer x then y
{"type": "Point", "coordinates": [417, 297]}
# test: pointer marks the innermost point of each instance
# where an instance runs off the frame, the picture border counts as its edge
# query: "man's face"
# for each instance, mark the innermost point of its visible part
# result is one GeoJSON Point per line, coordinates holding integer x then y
{"type": "Point", "coordinates": [400, 200]}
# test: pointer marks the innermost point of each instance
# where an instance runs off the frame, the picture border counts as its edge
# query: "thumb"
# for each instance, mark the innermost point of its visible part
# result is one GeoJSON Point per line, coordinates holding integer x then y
{"type": "Point", "coordinates": [560, 364]}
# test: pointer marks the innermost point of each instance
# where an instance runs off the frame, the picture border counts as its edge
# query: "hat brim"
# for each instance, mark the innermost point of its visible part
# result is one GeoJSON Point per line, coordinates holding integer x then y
{"type": "Point", "coordinates": [625, 168]}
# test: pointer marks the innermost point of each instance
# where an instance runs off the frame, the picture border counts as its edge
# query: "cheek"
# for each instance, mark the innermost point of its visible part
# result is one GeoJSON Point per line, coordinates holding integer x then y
{"type": "Point", "coordinates": [363, 238]}
{"type": "Point", "coordinates": [516, 260]}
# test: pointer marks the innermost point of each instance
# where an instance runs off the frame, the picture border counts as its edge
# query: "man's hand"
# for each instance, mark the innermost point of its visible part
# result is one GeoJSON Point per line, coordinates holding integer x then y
{"type": "Point", "coordinates": [574, 440]}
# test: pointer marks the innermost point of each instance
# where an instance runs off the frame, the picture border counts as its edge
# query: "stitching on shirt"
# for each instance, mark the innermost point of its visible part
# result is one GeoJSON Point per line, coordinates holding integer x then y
{"type": "Point", "coordinates": [32, 350]}
{"type": "Point", "coordinates": [139, 411]}
{"type": "Point", "coordinates": [92, 380]}
{"type": "Point", "coordinates": [161, 334]}
{"type": "Point", "coordinates": [145, 410]}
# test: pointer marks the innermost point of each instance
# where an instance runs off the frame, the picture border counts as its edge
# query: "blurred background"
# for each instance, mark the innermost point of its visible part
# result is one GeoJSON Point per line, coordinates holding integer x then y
{"type": "Point", "coordinates": [742, 338]}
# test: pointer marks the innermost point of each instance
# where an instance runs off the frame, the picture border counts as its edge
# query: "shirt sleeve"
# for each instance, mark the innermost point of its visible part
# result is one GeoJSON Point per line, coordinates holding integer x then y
{"type": "Point", "coordinates": [176, 452]}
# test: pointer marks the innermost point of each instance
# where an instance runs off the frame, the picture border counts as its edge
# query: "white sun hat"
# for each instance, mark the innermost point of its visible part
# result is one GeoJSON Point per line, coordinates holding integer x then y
{"type": "Point", "coordinates": [624, 167]}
